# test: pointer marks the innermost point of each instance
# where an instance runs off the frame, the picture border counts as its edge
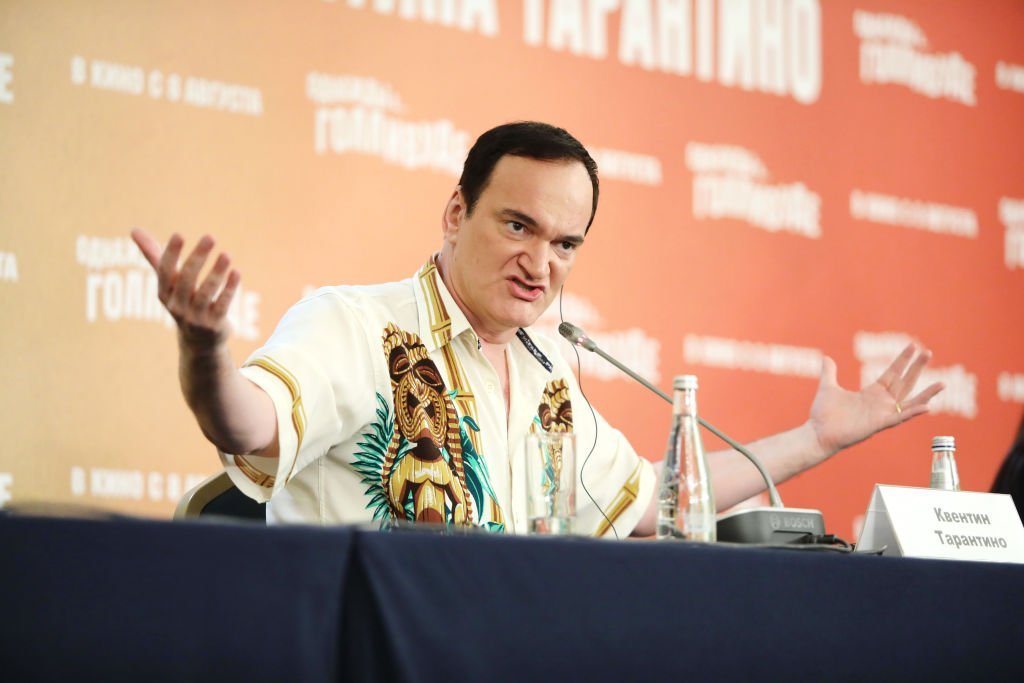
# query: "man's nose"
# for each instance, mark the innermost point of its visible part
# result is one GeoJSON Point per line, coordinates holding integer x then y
{"type": "Point", "coordinates": [537, 261]}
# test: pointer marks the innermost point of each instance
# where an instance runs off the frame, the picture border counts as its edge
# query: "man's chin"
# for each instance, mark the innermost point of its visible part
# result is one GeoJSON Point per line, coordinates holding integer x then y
{"type": "Point", "coordinates": [526, 313]}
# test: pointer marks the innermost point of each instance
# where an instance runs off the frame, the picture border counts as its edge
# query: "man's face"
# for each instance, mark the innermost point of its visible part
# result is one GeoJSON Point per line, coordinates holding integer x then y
{"type": "Point", "coordinates": [507, 260]}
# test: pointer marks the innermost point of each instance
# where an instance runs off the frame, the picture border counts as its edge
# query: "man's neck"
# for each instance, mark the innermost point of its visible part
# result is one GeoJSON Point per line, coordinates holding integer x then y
{"type": "Point", "coordinates": [486, 336]}
{"type": "Point", "coordinates": [492, 346]}
{"type": "Point", "coordinates": [495, 355]}
{"type": "Point", "coordinates": [489, 348]}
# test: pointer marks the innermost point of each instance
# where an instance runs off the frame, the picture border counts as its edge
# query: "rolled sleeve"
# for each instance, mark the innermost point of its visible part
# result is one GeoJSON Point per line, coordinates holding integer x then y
{"type": "Point", "coordinates": [317, 370]}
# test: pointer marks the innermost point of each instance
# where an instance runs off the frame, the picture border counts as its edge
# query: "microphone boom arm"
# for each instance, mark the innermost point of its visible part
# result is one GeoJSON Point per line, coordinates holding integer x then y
{"type": "Point", "coordinates": [773, 493]}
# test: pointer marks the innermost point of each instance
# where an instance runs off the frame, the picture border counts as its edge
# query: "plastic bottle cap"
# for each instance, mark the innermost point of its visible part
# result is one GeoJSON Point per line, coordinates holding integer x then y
{"type": "Point", "coordinates": [946, 443]}
{"type": "Point", "coordinates": [685, 382]}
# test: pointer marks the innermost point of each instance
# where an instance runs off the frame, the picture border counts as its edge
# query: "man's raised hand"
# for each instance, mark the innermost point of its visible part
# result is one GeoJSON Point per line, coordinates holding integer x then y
{"type": "Point", "coordinates": [199, 308]}
{"type": "Point", "coordinates": [841, 418]}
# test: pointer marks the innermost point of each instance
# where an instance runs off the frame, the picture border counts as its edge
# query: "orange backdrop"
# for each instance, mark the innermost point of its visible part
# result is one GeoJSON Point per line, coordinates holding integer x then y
{"type": "Point", "coordinates": [782, 179]}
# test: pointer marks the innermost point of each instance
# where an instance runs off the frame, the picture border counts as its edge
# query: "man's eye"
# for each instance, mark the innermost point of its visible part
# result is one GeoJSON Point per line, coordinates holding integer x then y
{"type": "Point", "coordinates": [516, 226]}
{"type": "Point", "coordinates": [566, 247]}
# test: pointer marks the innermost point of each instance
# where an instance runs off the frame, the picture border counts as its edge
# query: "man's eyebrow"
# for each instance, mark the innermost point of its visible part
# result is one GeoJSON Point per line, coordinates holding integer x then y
{"type": "Point", "coordinates": [518, 216]}
{"type": "Point", "coordinates": [526, 219]}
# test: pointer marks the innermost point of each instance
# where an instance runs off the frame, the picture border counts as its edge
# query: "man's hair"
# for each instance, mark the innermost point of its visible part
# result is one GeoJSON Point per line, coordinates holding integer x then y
{"type": "Point", "coordinates": [530, 139]}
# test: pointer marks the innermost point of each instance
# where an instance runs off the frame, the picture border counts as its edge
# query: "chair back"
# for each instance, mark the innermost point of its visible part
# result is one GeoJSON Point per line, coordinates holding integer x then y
{"type": "Point", "coordinates": [217, 496]}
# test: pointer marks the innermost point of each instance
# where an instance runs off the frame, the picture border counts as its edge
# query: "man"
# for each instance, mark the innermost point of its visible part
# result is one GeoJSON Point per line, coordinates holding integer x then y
{"type": "Point", "coordinates": [405, 400]}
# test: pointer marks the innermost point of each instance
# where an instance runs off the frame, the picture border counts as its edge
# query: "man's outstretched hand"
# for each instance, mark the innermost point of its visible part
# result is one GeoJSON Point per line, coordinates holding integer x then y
{"type": "Point", "coordinates": [841, 418]}
{"type": "Point", "coordinates": [199, 308]}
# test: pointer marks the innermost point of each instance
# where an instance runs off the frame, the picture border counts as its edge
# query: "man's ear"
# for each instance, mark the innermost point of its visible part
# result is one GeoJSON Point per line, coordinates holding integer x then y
{"type": "Point", "coordinates": [454, 214]}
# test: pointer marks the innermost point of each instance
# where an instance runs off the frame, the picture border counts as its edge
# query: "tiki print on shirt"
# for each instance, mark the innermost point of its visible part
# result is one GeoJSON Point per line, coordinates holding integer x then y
{"type": "Point", "coordinates": [419, 462]}
{"type": "Point", "coordinates": [554, 413]}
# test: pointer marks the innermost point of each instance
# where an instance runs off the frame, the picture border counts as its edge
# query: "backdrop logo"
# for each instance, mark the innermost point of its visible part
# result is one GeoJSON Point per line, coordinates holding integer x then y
{"type": "Point", "coordinates": [1011, 215]}
{"type": "Point", "coordinates": [876, 351]}
{"type": "Point", "coordinates": [121, 285]}
{"type": "Point", "coordinates": [1011, 387]}
{"type": "Point", "coordinates": [630, 167]}
{"type": "Point", "coordinates": [772, 48]}
{"type": "Point", "coordinates": [731, 182]}
{"type": "Point", "coordinates": [632, 346]}
{"type": "Point", "coordinates": [754, 356]}
{"type": "Point", "coordinates": [1010, 76]}
{"type": "Point", "coordinates": [913, 213]}
{"type": "Point", "coordinates": [6, 77]}
{"type": "Point", "coordinates": [8, 267]}
{"type": "Point", "coordinates": [466, 15]}
{"type": "Point", "coordinates": [195, 91]}
{"type": "Point", "coordinates": [358, 115]}
{"type": "Point", "coordinates": [893, 50]}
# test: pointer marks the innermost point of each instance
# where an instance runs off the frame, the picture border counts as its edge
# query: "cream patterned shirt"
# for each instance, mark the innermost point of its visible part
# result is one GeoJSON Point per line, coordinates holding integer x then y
{"type": "Point", "coordinates": [387, 408]}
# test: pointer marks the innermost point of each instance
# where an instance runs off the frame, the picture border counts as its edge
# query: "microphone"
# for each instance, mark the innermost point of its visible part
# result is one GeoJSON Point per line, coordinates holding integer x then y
{"type": "Point", "coordinates": [775, 524]}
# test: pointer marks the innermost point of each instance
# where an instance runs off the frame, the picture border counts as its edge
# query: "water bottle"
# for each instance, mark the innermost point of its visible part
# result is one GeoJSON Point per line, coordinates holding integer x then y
{"type": "Point", "coordinates": [686, 504]}
{"type": "Point", "coordinates": [668, 488]}
{"type": "Point", "coordinates": [944, 474]}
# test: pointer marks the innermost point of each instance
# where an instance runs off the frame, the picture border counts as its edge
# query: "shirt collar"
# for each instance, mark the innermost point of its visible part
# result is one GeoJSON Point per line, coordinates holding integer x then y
{"type": "Point", "coordinates": [441, 319]}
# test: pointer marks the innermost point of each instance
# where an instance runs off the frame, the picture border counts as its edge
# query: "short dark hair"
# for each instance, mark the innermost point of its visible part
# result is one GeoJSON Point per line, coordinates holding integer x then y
{"type": "Point", "coordinates": [531, 139]}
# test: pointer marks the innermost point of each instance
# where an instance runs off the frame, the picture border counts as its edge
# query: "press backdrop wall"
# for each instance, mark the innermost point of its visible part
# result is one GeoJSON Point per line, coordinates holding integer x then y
{"type": "Point", "coordinates": [781, 179]}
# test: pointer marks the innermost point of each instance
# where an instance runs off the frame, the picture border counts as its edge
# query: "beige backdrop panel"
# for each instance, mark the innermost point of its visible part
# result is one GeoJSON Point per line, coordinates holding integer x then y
{"type": "Point", "coordinates": [781, 179]}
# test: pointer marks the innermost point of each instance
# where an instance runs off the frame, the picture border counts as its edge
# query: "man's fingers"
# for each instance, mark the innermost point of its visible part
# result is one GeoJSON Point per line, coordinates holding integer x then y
{"type": "Point", "coordinates": [918, 405]}
{"type": "Point", "coordinates": [828, 372]}
{"type": "Point", "coordinates": [184, 286]}
{"type": "Point", "coordinates": [168, 267]}
{"type": "Point", "coordinates": [904, 385]}
{"type": "Point", "coordinates": [198, 306]}
{"type": "Point", "coordinates": [149, 247]}
{"type": "Point", "coordinates": [219, 308]}
{"type": "Point", "coordinates": [211, 283]}
{"type": "Point", "coordinates": [909, 413]}
{"type": "Point", "coordinates": [921, 399]}
{"type": "Point", "coordinates": [895, 370]}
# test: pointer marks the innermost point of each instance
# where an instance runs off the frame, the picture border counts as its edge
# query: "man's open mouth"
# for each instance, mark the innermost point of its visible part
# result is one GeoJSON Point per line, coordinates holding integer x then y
{"type": "Point", "coordinates": [525, 290]}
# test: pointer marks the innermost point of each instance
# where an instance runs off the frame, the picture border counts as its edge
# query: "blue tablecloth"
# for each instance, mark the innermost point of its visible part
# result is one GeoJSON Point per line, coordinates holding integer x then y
{"type": "Point", "coordinates": [148, 601]}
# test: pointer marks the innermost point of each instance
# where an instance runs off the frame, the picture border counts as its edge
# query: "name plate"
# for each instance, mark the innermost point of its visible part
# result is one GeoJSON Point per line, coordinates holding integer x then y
{"type": "Point", "coordinates": [947, 525]}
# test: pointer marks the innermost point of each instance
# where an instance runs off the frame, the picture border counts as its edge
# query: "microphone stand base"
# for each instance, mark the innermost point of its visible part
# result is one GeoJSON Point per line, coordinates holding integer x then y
{"type": "Point", "coordinates": [770, 525]}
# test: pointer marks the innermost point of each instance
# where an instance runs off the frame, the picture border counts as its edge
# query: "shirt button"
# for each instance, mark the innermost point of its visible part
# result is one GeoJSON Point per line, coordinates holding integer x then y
{"type": "Point", "coordinates": [490, 387]}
